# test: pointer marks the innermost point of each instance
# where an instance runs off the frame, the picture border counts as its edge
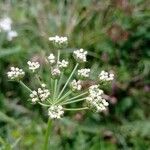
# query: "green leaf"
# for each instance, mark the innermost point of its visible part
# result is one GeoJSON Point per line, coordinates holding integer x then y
{"type": "Point", "coordinates": [7, 52]}
{"type": "Point", "coordinates": [5, 118]}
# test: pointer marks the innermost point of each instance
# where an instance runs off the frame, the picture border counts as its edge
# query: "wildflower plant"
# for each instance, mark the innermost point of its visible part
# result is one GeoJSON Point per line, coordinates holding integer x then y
{"type": "Point", "coordinates": [57, 98]}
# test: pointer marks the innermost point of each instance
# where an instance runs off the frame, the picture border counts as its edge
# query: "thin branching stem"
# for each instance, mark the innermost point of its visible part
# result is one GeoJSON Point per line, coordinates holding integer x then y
{"type": "Point", "coordinates": [25, 86]}
{"type": "Point", "coordinates": [64, 96]}
{"type": "Point", "coordinates": [58, 56]}
{"type": "Point", "coordinates": [76, 109]}
{"type": "Point", "coordinates": [59, 82]}
{"type": "Point", "coordinates": [56, 80]}
{"type": "Point", "coordinates": [49, 100]}
{"type": "Point", "coordinates": [38, 79]}
{"type": "Point", "coordinates": [77, 96]}
{"type": "Point", "coordinates": [55, 88]}
{"type": "Point", "coordinates": [74, 101]}
{"type": "Point", "coordinates": [68, 80]}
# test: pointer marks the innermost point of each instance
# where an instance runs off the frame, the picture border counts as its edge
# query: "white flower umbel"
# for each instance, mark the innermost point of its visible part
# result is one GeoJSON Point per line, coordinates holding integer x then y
{"type": "Point", "coordinates": [55, 72]}
{"type": "Point", "coordinates": [84, 73]}
{"type": "Point", "coordinates": [76, 85]}
{"type": "Point", "coordinates": [5, 24]}
{"type": "Point", "coordinates": [63, 64]}
{"type": "Point", "coordinates": [58, 40]}
{"type": "Point", "coordinates": [51, 59]}
{"type": "Point", "coordinates": [11, 34]}
{"type": "Point", "coordinates": [98, 103]}
{"type": "Point", "coordinates": [15, 73]}
{"type": "Point", "coordinates": [80, 55]}
{"type": "Point", "coordinates": [95, 91]}
{"type": "Point", "coordinates": [34, 97]}
{"type": "Point", "coordinates": [62, 90]}
{"type": "Point", "coordinates": [40, 95]}
{"type": "Point", "coordinates": [55, 112]}
{"type": "Point", "coordinates": [33, 65]}
{"type": "Point", "coordinates": [105, 76]}
{"type": "Point", "coordinates": [43, 93]}
{"type": "Point", "coordinates": [95, 99]}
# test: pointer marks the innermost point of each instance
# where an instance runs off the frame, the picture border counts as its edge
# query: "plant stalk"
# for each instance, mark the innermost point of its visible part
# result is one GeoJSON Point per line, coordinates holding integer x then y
{"type": "Point", "coordinates": [47, 135]}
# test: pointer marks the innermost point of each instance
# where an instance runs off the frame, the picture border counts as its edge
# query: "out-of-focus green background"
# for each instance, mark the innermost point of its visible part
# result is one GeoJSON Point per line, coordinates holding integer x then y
{"type": "Point", "coordinates": [117, 35]}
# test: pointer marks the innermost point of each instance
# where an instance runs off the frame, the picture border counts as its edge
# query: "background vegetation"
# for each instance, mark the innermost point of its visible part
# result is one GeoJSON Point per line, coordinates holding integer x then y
{"type": "Point", "coordinates": [116, 33]}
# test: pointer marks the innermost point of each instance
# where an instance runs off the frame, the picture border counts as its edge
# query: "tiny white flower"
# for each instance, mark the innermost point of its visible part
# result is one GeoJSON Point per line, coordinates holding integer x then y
{"type": "Point", "coordinates": [55, 72]}
{"type": "Point", "coordinates": [76, 85]}
{"type": "Point", "coordinates": [58, 40]}
{"type": "Point", "coordinates": [43, 85]}
{"type": "Point", "coordinates": [95, 91]}
{"type": "Point", "coordinates": [63, 63]}
{"type": "Point", "coordinates": [15, 73]}
{"type": "Point", "coordinates": [5, 24]}
{"type": "Point", "coordinates": [55, 112]}
{"type": "Point", "coordinates": [84, 73]}
{"type": "Point", "coordinates": [51, 59]}
{"type": "Point", "coordinates": [43, 93]}
{"type": "Point", "coordinates": [105, 76]}
{"type": "Point", "coordinates": [80, 55]}
{"type": "Point", "coordinates": [33, 65]}
{"type": "Point", "coordinates": [11, 34]}
{"type": "Point", "coordinates": [34, 97]}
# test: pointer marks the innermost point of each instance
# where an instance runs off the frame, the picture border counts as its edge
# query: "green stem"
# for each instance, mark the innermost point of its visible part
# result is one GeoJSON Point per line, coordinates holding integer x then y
{"type": "Point", "coordinates": [60, 82]}
{"type": "Point", "coordinates": [76, 109]}
{"type": "Point", "coordinates": [44, 104]}
{"type": "Point", "coordinates": [49, 126]}
{"type": "Point", "coordinates": [77, 96]}
{"type": "Point", "coordinates": [64, 96]}
{"type": "Point", "coordinates": [68, 81]}
{"type": "Point", "coordinates": [56, 80]}
{"type": "Point", "coordinates": [55, 89]}
{"type": "Point", "coordinates": [37, 77]}
{"type": "Point", "coordinates": [58, 56]}
{"type": "Point", "coordinates": [74, 101]}
{"type": "Point", "coordinates": [51, 83]}
{"type": "Point", "coordinates": [25, 86]}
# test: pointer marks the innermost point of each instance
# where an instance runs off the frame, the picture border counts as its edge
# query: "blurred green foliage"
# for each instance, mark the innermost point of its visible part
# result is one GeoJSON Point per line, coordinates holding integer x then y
{"type": "Point", "coordinates": [117, 35]}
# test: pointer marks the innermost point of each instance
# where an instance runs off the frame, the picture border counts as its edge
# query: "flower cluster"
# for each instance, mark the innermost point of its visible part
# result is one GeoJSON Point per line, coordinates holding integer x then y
{"type": "Point", "coordinates": [40, 95]}
{"type": "Point", "coordinates": [55, 72]}
{"type": "Point", "coordinates": [80, 55]}
{"type": "Point", "coordinates": [105, 76]}
{"type": "Point", "coordinates": [51, 59]}
{"type": "Point", "coordinates": [84, 73]}
{"type": "Point", "coordinates": [56, 65]}
{"type": "Point", "coordinates": [33, 65]}
{"type": "Point", "coordinates": [55, 112]}
{"type": "Point", "coordinates": [95, 99]}
{"type": "Point", "coordinates": [76, 85]}
{"type": "Point", "coordinates": [58, 95]}
{"type": "Point", "coordinates": [6, 26]}
{"type": "Point", "coordinates": [43, 93]}
{"type": "Point", "coordinates": [58, 40]}
{"type": "Point", "coordinates": [63, 63]}
{"type": "Point", "coordinates": [34, 97]}
{"type": "Point", "coordinates": [15, 73]}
